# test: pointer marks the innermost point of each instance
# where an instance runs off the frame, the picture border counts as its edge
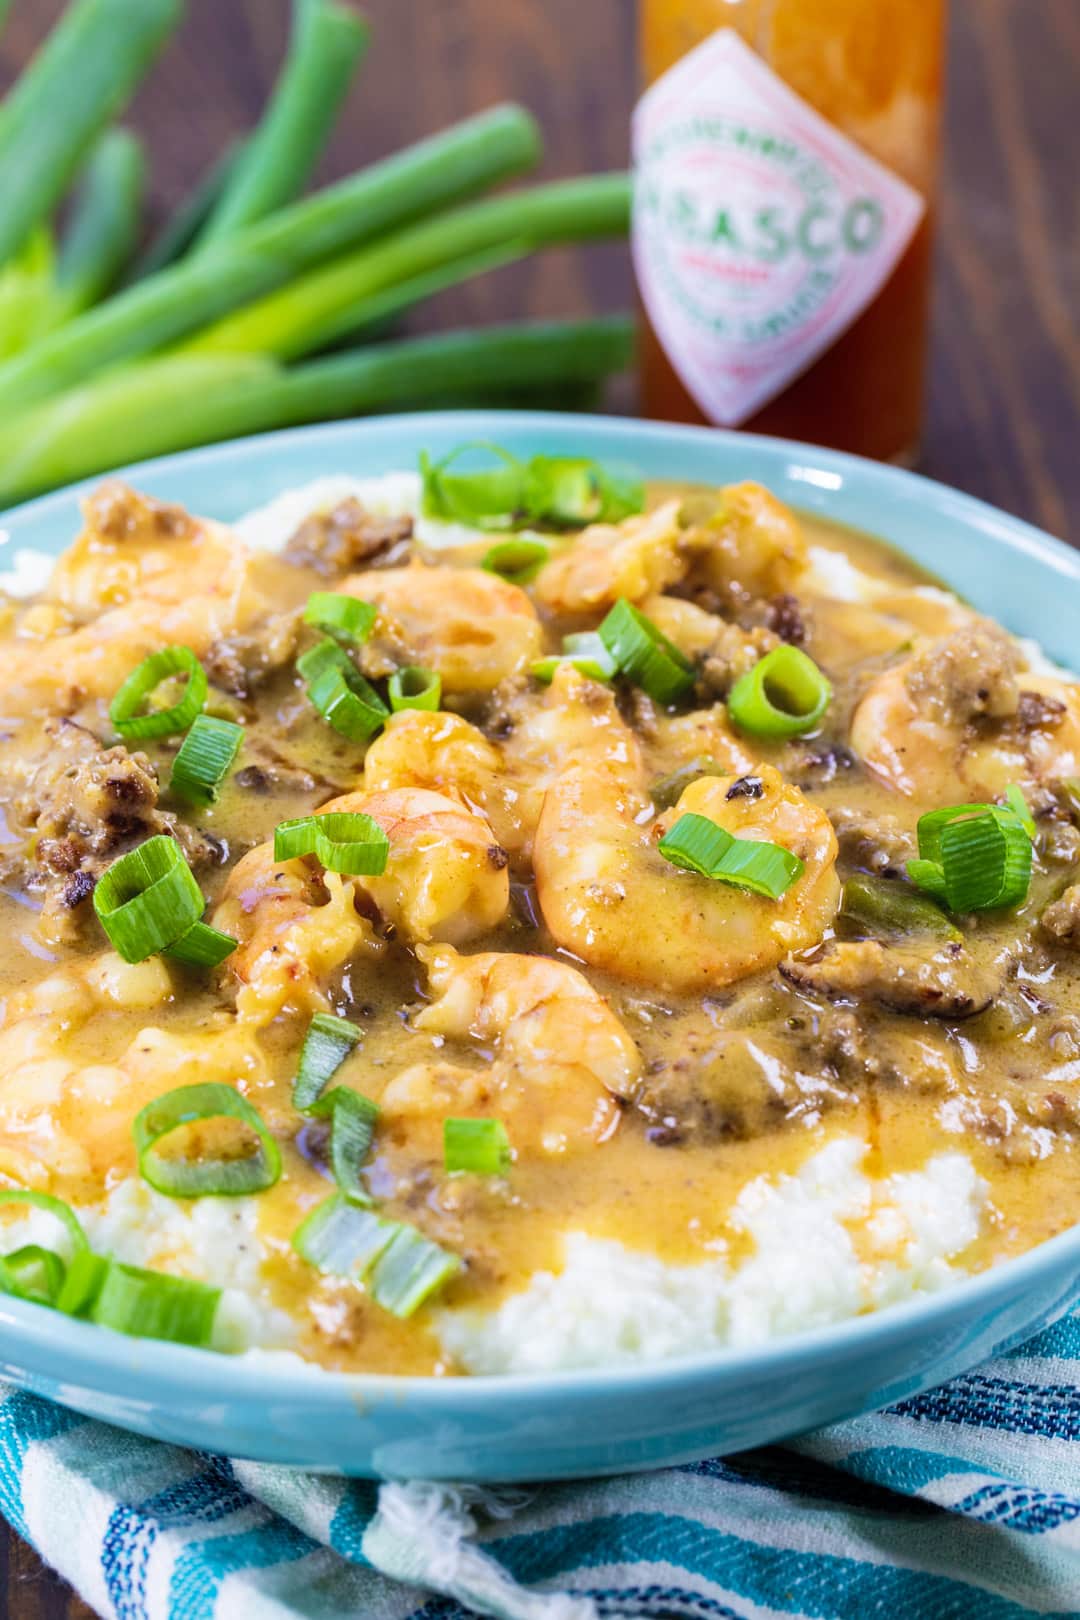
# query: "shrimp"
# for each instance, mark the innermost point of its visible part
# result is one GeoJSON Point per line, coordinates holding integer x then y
{"type": "Point", "coordinates": [562, 1057]}
{"type": "Point", "coordinates": [753, 546]}
{"type": "Point", "coordinates": [139, 577]}
{"type": "Point", "coordinates": [445, 878]}
{"type": "Point", "coordinates": [505, 781]}
{"type": "Point", "coordinates": [444, 752]}
{"type": "Point", "coordinates": [64, 1120]}
{"type": "Point", "coordinates": [959, 719]}
{"type": "Point", "coordinates": [471, 627]}
{"type": "Point", "coordinates": [607, 561]}
{"type": "Point", "coordinates": [295, 929]}
{"type": "Point", "coordinates": [607, 895]}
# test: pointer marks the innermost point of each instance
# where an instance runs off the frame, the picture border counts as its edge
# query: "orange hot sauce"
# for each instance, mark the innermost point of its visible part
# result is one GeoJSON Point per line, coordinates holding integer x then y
{"type": "Point", "coordinates": [741, 241]}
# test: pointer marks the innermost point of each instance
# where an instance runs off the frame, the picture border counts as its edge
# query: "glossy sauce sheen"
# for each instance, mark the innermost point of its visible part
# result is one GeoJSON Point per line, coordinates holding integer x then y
{"type": "Point", "coordinates": [662, 1169]}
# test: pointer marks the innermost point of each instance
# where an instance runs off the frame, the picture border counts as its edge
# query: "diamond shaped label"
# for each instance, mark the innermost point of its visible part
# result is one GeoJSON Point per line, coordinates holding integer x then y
{"type": "Point", "coordinates": [760, 231]}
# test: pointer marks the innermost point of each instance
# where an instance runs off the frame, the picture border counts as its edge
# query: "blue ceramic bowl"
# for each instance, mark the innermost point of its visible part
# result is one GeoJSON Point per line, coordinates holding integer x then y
{"type": "Point", "coordinates": [571, 1424]}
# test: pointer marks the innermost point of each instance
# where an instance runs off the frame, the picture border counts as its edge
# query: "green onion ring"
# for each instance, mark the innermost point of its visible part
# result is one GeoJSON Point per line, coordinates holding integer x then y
{"type": "Point", "coordinates": [783, 695]}
{"type": "Point", "coordinates": [348, 703]}
{"type": "Point", "coordinates": [328, 1042]}
{"type": "Point", "coordinates": [490, 500]}
{"type": "Point", "coordinates": [518, 561]}
{"type": "Point", "coordinates": [144, 679]}
{"type": "Point", "coordinates": [414, 688]}
{"type": "Point", "coordinates": [398, 1265]}
{"type": "Point", "coordinates": [700, 845]}
{"type": "Point", "coordinates": [346, 618]}
{"type": "Point", "coordinates": [342, 841]}
{"type": "Point", "coordinates": [976, 857]}
{"type": "Point", "coordinates": [186, 1178]}
{"type": "Point", "coordinates": [326, 654]}
{"type": "Point", "coordinates": [476, 1146]}
{"type": "Point", "coordinates": [148, 899]}
{"type": "Point", "coordinates": [205, 758]}
{"type": "Point", "coordinates": [644, 655]}
{"type": "Point", "coordinates": [153, 1305]}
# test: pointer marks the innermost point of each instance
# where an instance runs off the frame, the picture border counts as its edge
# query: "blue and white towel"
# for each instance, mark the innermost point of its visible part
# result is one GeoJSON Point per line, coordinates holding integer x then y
{"type": "Point", "coordinates": [961, 1503]}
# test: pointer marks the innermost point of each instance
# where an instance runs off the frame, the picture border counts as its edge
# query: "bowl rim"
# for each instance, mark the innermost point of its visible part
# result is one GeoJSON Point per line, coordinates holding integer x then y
{"type": "Point", "coordinates": [196, 1373]}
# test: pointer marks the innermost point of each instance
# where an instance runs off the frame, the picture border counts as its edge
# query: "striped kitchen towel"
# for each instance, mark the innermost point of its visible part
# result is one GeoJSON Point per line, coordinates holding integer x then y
{"type": "Point", "coordinates": [961, 1503]}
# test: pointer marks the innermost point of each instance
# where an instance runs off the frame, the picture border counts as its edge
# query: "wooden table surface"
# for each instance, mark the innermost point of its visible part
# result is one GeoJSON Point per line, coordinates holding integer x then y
{"type": "Point", "coordinates": [1004, 398]}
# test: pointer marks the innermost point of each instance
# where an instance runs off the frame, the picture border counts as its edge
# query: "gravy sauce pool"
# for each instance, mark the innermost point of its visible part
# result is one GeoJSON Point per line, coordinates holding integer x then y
{"type": "Point", "coordinates": [736, 1081]}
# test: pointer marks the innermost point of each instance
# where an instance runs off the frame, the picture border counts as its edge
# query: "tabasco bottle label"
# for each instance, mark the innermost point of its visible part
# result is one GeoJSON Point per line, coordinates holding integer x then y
{"type": "Point", "coordinates": [760, 231]}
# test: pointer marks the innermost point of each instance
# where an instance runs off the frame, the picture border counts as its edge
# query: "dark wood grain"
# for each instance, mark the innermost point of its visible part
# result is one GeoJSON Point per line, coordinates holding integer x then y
{"type": "Point", "coordinates": [1004, 399]}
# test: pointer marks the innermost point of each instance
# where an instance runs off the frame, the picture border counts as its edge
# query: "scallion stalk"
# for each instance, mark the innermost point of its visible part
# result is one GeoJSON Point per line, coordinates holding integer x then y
{"type": "Point", "coordinates": [434, 173]}
{"type": "Point", "coordinates": [176, 403]}
{"type": "Point", "coordinates": [330, 302]}
{"type": "Point", "coordinates": [104, 224]}
{"type": "Point", "coordinates": [80, 79]}
{"type": "Point", "coordinates": [328, 41]}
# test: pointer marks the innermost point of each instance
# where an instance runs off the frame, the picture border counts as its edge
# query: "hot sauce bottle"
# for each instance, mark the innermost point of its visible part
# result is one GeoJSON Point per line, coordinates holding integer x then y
{"type": "Point", "coordinates": [785, 155]}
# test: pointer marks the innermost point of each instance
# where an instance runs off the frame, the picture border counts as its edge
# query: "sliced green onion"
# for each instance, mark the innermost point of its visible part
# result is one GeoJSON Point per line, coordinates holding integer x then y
{"type": "Point", "coordinates": [884, 905]}
{"type": "Point", "coordinates": [518, 561]}
{"type": "Point", "coordinates": [700, 845]}
{"type": "Point", "coordinates": [346, 618]}
{"type": "Point", "coordinates": [557, 491]}
{"type": "Point", "coordinates": [644, 655]}
{"type": "Point", "coordinates": [226, 1177]}
{"type": "Point", "coordinates": [328, 1042]}
{"type": "Point", "coordinates": [344, 841]}
{"type": "Point", "coordinates": [569, 492]}
{"type": "Point", "coordinates": [414, 688]}
{"type": "Point", "coordinates": [348, 703]}
{"type": "Point", "coordinates": [144, 679]}
{"type": "Point", "coordinates": [583, 651]}
{"type": "Point", "coordinates": [148, 899]}
{"type": "Point", "coordinates": [488, 499]}
{"type": "Point", "coordinates": [34, 1274]}
{"type": "Point", "coordinates": [324, 655]}
{"type": "Point", "coordinates": [153, 1305]}
{"type": "Point", "coordinates": [667, 792]}
{"type": "Point", "coordinates": [1016, 802]}
{"type": "Point", "coordinates": [399, 1266]}
{"type": "Point", "coordinates": [82, 1282]}
{"type": "Point", "coordinates": [206, 756]}
{"type": "Point", "coordinates": [477, 1146]}
{"type": "Point", "coordinates": [975, 857]}
{"type": "Point", "coordinates": [761, 868]}
{"type": "Point", "coordinates": [409, 1271]}
{"type": "Point", "coordinates": [696, 844]}
{"type": "Point", "coordinates": [52, 1206]}
{"type": "Point", "coordinates": [201, 947]}
{"type": "Point", "coordinates": [783, 695]}
{"type": "Point", "coordinates": [353, 1118]}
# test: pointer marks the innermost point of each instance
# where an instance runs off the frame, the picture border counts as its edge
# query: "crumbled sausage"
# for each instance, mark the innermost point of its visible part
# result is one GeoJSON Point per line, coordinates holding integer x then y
{"type": "Point", "coordinates": [79, 807]}
{"type": "Point", "coordinates": [241, 663]}
{"type": "Point", "coordinates": [969, 674]}
{"type": "Point", "coordinates": [785, 618]}
{"type": "Point", "coordinates": [733, 652]}
{"type": "Point", "coordinates": [333, 542]}
{"type": "Point", "coordinates": [871, 843]}
{"type": "Point", "coordinates": [118, 512]}
{"type": "Point", "coordinates": [1060, 921]}
{"type": "Point", "coordinates": [1035, 711]}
